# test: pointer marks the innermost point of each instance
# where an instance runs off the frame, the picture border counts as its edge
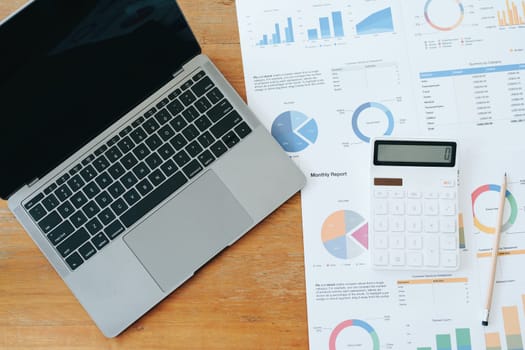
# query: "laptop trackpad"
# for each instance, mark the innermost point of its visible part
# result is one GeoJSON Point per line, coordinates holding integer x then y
{"type": "Point", "coordinates": [188, 230]}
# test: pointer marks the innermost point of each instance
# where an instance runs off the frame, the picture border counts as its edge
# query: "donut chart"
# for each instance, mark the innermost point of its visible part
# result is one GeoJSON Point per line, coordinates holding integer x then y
{"type": "Point", "coordinates": [358, 114]}
{"type": "Point", "coordinates": [345, 234]}
{"type": "Point", "coordinates": [354, 323]}
{"type": "Point", "coordinates": [442, 27]}
{"type": "Point", "coordinates": [510, 199]}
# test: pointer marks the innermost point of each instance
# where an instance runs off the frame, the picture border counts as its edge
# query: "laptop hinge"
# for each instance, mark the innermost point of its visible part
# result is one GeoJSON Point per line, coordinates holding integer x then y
{"type": "Point", "coordinates": [178, 73]}
{"type": "Point", "coordinates": [32, 182]}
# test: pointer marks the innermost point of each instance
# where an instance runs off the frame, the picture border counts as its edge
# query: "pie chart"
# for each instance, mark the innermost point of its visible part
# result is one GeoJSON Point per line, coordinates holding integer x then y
{"type": "Point", "coordinates": [294, 131]}
{"type": "Point", "coordinates": [345, 234]}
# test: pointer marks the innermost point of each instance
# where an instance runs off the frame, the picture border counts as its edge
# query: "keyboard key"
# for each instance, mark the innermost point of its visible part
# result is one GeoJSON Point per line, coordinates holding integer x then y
{"type": "Point", "coordinates": [225, 124]}
{"type": "Point", "coordinates": [141, 170]}
{"type": "Point", "coordinates": [153, 161]}
{"type": "Point", "coordinates": [215, 95]}
{"type": "Point", "coordinates": [78, 219]}
{"type": "Point", "coordinates": [230, 139]}
{"type": "Point", "coordinates": [76, 183]}
{"type": "Point", "coordinates": [206, 139]}
{"type": "Point", "coordinates": [198, 76]}
{"type": "Point", "coordinates": [178, 123]}
{"type": "Point", "coordinates": [151, 126]}
{"type": "Point", "coordinates": [103, 180]}
{"type": "Point", "coordinates": [106, 216]}
{"type": "Point", "coordinates": [116, 171]}
{"type": "Point", "coordinates": [153, 199]}
{"type": "Point", "coordinates": [63, 179]}
{"type": "Point", "coordinates": [113, 140]}
{"type": "Point", "coordinates": [126, 144]}
{"type": "Point", "coordinates": [37, 212]}
{"type": "Point", "coordinates": [190, 133]}
{"type": "Point", "coordinates": [156, 177]}
{"type": "Point", "coordinates": [162, 103]}
{"type": "Point", "coordinates": [101, 150]}
{"type": "Point", "coordinates": [34, 201]}
{"type": "Point", "coordinates": [50, 189]}
{"type": "Point", "coordinates": [153, 142]}
{"type": "Point", "coordinates": [74, 261]}
{"type": "Point", "coordinates": [163, 116]}
{"type": "Point", "coordinates": [63, 192]}
{"type": "Point", "coordinates": [218, 148]}
{"type": "Point", "coordinates": [119, 206]}
{"type": "Point", "coordinates": [202, 86]}
{"type": "Point", "coordinates": [129, 160]}
{"type": "Point", "coordinates": [114, 230]}
{"type": "Point", "coordinates": [178, 142]}
{"type": "Point", "coordinates": [187, 97]}
{"type": "Point", "coordinates": [100, 241]}
{"type": "Point", "coordinates": [88, 173]}
{"type": "Point", "coordinates": [101, 163]}
{"type": "Point", "coordinates": [193, 149]}
{"type": "Point", "coordinates": [91, 190]}
{"type": "Point", "coordinates": [60, 233]}
{"type": "Point", "coordinates": [50, 202]}
{"type": "Point", "coordinates": [75, 170]}
{"type": "Point", "coordinates": [129, 180]}
{"type": "Point", "coordinates": [166, 132]}
{"type": "Point", "coordinates": [168, 168]}
{"type": "Point", "coordinates": [206, 158]}
{"type": "Point", "coordinates": [113, 154]}
{"type": "Point", "coordinates": [175, 107]}
{"type": "Point", "coordinates": [181, 158]}
{"type": "Point", "coordinates": [192, 169]}
{"type": "Point", "coordinates": [190, 114]}
{"type": "Point", "coordinates": [94, 226]}
{"type": "Point", "coordinates": [203, 123]}
{"type": "Point", "coordinates": [176, 93]}
{"type": "Point", "coordinates": [243, 130]}
{"type": "Point", "coordinates": [138, 122]}
{"type": "Point", "coordinates": [219, 111]}
{"type": "Point", "coordinates": [91, 209]}
{"type": "Point", "coordinates": [88, 159]}
{"type": "Point", "coordinates": [203, 104]}
{"type": "Point", "coordinates": [131, 197]}
{"type": "Point", "coordinates": [79, 199]}
{"type": "Point", "coordinates": [142, 151]}
{"type": "Point", "coordinates": [138, 135]}
{"type": "Point", "coordinates": [66, 210]}
{"type": "Point", "coordinates": [152, 110]}
{"type": "Point", "coordinates": [87, 250]}
{"type": "Point", "coordinates": [103, 199]}
{"type": "Point", "coordinates": [116, 189]}
{"type": "Point", "coordinates": [73, 242]}
{"type": "Point", "coordinates": [166, 151]}
{"type": "Point", "coordinates": [186, 85]}
{"type": "Point", "coordinates": [144, 187]}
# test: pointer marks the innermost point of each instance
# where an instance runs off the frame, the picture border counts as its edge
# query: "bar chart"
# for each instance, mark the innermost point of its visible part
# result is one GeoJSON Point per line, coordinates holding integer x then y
{"type": "Point", "coordinates": [460, 339]}
{"type": "Point", "coordinates": [329, 27]}
{"type": "Point", "coordinates": [512, 337]}
{"type": "Point", "coordinates": [277, 36]}
{"type": "Point", "coordinates": [513, 15]}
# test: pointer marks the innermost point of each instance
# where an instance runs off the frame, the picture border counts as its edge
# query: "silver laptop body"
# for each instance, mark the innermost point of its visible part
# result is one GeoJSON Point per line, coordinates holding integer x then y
{"type": "Point", "coordinates": [161, 250]}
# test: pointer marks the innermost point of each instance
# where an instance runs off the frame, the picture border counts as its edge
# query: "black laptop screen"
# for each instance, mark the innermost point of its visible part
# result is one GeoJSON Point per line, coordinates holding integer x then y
{"type": "Point", "coordinates": [69, 69]}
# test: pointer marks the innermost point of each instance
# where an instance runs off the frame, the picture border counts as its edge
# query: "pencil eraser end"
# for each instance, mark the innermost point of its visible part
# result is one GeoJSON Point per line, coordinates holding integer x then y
{"type": "Point", "coordinates": [485, 323]}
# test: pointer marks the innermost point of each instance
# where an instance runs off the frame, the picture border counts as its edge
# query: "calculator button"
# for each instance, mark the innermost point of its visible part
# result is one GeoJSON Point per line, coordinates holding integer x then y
{"type": "Point", "coordinates": [398, 194]}
{"type": "Point", "coordinates": [414, 242]}
{"type": "Point", "coordinates": [381, 257]}
{"type": "Point", "coordinates": [414, 259]}
{"type": "Point", "coordinates": [447, 207]}
{"type": "Point", "coordinates": [381, 206]}
{"type": "Point", "coordinates": [397, 207]}
{"type": "Point", "coordinates": [448, 183]}
{"type": "Point", "coordinates": [431, 225]}
{"type": "Point", "coordinates": [430, 207]}
{"type": "Point", "coordinates": [397, 242]}
{"type": "Point", "coordinates": [414, 207]}
{"type": "Point", "coordinates": [431, 252]}
{"type": "Point", "coordinates": [449, 242]}
{"type": "Point", "coordinates": [380, 242]}
{"type": "Point", "coordinates": [447, 195]}
{"type": "Point", "coordinates": [381, 224]}
{"type": "Point", "coordinates": [397, 258]}
{"type": "Point", "coordinates": [381, 194]}
{"type": "Point", "coordinates": [397, 223]}
{"type": "Point", "coordinates": [449, 259]}
{"type": "Point", "coordinates": [448, 225]}
{"type": "Point", "coordinates": [430, 195]}
{"type": "Point", "coordinates": [414, 224]}
{"type": "Point", "coordinates": [414, 194]}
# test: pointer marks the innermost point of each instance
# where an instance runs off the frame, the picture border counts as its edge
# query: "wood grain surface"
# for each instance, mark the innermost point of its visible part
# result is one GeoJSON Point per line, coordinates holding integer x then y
{"type": "Point", "coordinates": [252, 296]}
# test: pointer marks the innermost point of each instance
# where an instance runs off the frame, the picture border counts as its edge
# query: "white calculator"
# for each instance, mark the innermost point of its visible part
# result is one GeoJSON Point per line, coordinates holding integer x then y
{"type": "Point", "coordinates": [414, 205]}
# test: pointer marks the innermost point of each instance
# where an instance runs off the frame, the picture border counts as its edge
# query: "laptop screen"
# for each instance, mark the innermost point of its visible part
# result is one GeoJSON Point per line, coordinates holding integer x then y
{"type": "Point", "coordinates": [69, 69]}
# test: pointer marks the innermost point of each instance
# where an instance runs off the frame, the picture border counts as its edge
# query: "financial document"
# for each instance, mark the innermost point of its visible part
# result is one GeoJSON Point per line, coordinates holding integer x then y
{"type": "Point", "coordinates": [327, 76]}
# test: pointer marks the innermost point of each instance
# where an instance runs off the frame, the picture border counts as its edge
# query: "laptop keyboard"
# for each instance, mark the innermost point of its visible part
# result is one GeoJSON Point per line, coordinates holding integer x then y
{"type": "Point", "coordinates": [97, 199]}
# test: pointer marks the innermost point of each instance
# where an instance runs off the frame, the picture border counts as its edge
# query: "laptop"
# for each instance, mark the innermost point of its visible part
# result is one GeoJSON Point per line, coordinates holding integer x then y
{"type": "Point", "coordinates": [126, 155]}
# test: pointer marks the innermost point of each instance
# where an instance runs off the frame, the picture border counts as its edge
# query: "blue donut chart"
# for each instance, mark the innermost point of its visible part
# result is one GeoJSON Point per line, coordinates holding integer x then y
{"type": "Point", "coordinates": [361, 109]}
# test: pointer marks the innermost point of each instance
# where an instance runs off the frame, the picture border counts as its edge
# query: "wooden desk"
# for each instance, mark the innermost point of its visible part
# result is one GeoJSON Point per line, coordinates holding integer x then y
{"type": "Point", "coordinates": [250, 297]}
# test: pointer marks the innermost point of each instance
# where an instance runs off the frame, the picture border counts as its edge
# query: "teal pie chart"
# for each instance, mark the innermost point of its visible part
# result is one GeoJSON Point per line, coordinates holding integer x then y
{"type": "Point", "coordinates": [294, 131]}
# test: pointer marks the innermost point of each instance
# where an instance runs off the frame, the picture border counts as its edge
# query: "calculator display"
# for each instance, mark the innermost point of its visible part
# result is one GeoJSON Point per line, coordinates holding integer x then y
{"type": "Point", "coordinates": [415, 153]}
